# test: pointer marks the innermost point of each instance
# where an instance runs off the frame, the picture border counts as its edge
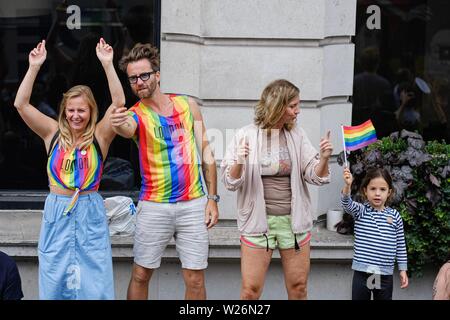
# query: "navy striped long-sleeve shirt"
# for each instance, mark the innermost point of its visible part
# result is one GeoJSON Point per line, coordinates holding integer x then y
{"type": "Point", "coordinates": [379, 238]}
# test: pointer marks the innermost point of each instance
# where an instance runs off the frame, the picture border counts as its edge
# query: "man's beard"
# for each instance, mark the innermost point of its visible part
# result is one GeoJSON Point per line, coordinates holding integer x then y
{"type": "Point", "coordinates": [146, 92]}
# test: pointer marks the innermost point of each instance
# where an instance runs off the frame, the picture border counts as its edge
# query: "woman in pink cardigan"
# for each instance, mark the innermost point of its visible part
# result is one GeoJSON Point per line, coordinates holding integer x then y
{"type": "Point", "coordinates": [269, 163]}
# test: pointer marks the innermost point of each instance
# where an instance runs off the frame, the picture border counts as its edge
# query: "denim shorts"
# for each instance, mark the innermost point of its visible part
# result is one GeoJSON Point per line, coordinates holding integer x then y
{"type": "Point", "coordinates": [157, 223]}
{"type": "Point", "coordinates": [280, 235]}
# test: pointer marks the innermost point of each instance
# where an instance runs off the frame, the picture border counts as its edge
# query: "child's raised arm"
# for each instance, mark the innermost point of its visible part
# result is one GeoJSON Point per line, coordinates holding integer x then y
{"type": "Point", "coordinates": [348, 179]}
{"type": "Point", "coordinates": [354, 208]}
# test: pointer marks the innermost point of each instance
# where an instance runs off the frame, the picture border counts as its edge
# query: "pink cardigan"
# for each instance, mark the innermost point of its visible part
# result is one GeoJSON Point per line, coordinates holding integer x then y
{"type": "Point", "coordinates": [252, 219]}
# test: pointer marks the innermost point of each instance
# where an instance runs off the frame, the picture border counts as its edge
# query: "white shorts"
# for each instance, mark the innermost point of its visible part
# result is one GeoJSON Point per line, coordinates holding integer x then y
{"type": "Point", "coordinates": [157, 223]}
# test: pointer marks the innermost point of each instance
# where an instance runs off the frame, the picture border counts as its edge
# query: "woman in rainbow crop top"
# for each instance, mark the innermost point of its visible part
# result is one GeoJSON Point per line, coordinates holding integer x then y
{"type": "Point", "coordinates": [74, 249]}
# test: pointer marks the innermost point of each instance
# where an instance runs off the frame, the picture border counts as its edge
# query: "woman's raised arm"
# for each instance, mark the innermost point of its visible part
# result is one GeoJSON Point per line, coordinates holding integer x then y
{"type": "Point", "coordinates": [105, 55]}
{"type": "Point", "coordinates": [42, 125]}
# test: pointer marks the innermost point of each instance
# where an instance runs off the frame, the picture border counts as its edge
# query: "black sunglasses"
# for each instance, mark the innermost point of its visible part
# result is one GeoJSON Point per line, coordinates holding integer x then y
{"type": "Point", "coordinates": [143, 76]}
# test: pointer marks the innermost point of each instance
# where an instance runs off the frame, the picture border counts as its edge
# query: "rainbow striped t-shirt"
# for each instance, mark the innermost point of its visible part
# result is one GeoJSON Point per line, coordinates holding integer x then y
{"type": "Point", "coordinates": [168, 157]}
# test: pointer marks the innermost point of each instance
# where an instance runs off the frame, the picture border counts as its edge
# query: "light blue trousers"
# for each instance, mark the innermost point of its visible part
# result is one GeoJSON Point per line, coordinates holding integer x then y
{"type": "Point", "coordinates": [74, 251]}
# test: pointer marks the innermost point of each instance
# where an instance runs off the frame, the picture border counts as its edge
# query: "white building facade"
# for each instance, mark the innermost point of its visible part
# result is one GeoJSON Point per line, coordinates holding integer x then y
{"type": "Point", "coordinates": [225, 52]}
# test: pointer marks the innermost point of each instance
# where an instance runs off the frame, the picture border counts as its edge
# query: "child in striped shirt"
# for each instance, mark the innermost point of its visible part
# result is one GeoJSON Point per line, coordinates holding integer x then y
{"type": "Point", "coordinates": [379, 237]}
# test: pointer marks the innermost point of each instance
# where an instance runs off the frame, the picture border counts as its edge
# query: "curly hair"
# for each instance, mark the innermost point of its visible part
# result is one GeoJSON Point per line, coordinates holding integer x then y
{"type": "Point", "coordinates": [141, 51]}
{"type": "Point", "coordinates": [273, 102]}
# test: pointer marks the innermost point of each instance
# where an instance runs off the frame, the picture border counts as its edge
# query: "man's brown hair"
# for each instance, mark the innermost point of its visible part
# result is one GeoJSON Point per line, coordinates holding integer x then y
{"type": "Point", "coordinates": [141, 51]}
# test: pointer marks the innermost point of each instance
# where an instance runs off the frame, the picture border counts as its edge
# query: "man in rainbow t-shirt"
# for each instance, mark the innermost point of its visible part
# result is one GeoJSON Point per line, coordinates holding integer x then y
{"type": "Point", "coordinates": [167, 130]}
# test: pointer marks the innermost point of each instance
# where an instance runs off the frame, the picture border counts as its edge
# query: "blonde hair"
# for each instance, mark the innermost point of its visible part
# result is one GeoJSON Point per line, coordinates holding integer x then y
{"type": "Point", "coordinates": [66, 139]}
{"type": "Point", "coordinates": [141, 51]}
{"type": "Point", "coordinates": [273, 103]}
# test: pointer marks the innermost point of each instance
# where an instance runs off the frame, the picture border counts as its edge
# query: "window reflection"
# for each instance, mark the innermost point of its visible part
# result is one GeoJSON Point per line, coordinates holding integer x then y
{"type": "Point", "coordinates": [71, 60]}
{"type": "Point", "coordinates": [402, 70]}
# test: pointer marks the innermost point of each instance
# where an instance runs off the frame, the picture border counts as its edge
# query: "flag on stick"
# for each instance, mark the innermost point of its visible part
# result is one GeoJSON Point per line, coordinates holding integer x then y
{"type": "Point", "coordinates": [357, 137]}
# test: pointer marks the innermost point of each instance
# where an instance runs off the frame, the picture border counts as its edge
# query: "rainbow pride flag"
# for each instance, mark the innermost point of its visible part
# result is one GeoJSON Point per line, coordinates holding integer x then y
{"type": "Point", "coordinates": [356, 137]}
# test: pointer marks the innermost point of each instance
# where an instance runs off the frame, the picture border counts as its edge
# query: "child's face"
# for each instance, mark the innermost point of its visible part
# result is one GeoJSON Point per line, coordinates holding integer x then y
{"type": "Point", "coordinates": [377, 192]}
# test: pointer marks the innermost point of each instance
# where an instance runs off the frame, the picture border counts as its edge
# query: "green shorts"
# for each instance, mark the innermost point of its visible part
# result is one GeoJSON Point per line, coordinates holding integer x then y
{"type": "Point", "coordinates": [280, 235]}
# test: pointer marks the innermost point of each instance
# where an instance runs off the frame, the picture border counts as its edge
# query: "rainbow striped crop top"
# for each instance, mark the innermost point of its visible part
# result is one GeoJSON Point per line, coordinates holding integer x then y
{"type": "Point", "coordinates": [79, 170]}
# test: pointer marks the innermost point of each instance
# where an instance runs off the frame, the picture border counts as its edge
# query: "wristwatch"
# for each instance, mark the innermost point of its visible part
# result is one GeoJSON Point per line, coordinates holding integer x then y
{"type": "Point", "coordinates": [214, 197]}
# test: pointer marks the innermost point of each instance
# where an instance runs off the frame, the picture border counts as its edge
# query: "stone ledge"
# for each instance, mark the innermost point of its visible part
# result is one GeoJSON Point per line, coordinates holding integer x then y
{"type": "Point", "coordinates": [254, 42]}
{"type": "Point", "coordinates": [19, 234]}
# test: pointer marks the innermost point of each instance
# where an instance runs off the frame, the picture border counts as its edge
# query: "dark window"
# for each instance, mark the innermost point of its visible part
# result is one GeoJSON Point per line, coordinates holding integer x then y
{"type": "Point", "coordinates": [402, 69]}
{"type": "Point", "coordinates": [71, 60]}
